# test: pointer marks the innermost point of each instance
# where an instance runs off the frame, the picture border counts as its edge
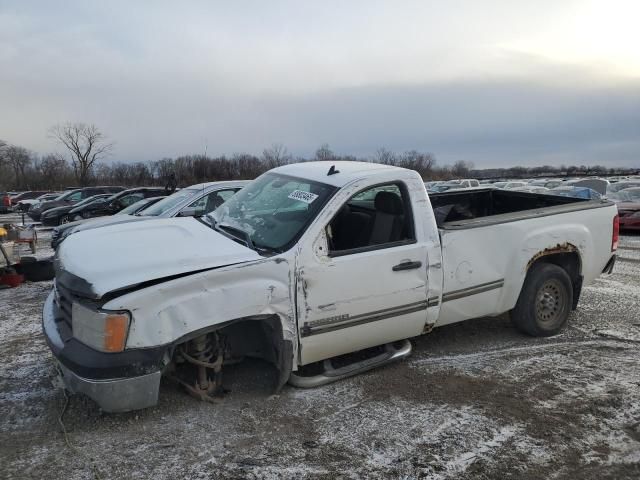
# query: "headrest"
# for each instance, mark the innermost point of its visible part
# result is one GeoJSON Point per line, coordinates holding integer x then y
{"type": "Point", "coordinates": [388, 202]}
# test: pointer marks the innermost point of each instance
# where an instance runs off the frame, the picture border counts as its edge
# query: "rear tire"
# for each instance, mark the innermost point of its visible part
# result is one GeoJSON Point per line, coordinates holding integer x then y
{"type": "Point", "coordinates": [545, 301]}
{"type": "Point", "coordinates": [64, 219]}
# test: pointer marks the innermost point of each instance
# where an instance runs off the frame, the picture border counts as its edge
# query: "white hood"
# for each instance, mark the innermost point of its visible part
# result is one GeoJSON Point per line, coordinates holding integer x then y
{"type": "Point", "coordinates": [120, 256]}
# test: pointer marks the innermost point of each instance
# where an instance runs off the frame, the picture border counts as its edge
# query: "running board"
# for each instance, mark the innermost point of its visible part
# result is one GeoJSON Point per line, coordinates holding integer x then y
{"type": "Point", "coordinates": [392, 353]}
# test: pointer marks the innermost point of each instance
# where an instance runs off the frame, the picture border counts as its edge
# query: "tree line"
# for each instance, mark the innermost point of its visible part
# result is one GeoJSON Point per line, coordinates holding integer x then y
{"type": "Point", "coordinates": [86, 148]}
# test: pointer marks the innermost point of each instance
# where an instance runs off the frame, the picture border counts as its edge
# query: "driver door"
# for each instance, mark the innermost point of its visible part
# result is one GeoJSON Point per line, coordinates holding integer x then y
{"type": "Point", "coordinates": [365, 283]}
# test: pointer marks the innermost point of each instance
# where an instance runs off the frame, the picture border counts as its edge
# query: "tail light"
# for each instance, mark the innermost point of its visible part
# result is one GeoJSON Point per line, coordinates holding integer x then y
{"type": "Point", "coordinates": [615, 237]}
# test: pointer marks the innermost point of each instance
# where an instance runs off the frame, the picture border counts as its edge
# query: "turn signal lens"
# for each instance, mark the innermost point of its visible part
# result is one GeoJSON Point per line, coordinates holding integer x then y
{"type": "Point", "coordinates": [116, 327]}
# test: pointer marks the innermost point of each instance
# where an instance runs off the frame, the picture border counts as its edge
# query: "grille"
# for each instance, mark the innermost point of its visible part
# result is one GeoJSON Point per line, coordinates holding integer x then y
{"type": "Point", "coordinates": [64, 301]}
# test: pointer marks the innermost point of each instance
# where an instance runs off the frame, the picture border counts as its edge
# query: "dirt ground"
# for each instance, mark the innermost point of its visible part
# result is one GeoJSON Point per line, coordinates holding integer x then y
{"type": "Point", "coordinates": [475, 400]}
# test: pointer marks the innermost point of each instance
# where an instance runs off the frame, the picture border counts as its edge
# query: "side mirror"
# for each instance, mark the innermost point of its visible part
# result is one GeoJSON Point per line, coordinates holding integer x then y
{"type": "Point", "coordinates": [189, 212]}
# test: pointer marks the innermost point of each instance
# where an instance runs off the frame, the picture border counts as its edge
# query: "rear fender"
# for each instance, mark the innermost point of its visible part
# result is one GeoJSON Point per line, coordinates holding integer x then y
{"type": "Point", "coordinates": [538, 244]}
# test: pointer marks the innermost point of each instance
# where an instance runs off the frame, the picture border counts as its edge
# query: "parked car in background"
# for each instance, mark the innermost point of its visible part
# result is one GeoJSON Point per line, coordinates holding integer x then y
{"type": "Point", "coordinates": [509, 185]}
{"type": "Point", "coordinates": [599, 185]}
{"type": "Point", "coordinates": [431, 184]}
{"type": "Point", "coordinates": [114, 203]}
{"type": "Point", "coordinates": [30, 195]}
{"type": "Point", "coordinates": [546, 183]}
{"type": "Point", "coordinates": [70, 197]}
{"type": "Point", "coordinates": [25, 204]}
{"type": "Point", "coordinates": [531, 189]}
{"type": "Point", "coordinates": [576, 192]}
{"type": "Point", "coordinates": [140, 205]}
{"type": "Point", "coordinates": [196, 200]}
{"type": "Point", "coordinates": [58, 215]}
{"type": "Point", "coordinates": [452, 185]}
{"type": "Point", "coordinates": [464, 183]}
{"type": "Point", "coordinates": [628, 202]}
{"type": "Point", "coordinates": [616, 187]}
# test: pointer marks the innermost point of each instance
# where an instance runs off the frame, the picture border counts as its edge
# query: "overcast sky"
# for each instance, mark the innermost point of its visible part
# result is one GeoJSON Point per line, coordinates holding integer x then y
{"type": "Point", "coordinates": [495, 82]}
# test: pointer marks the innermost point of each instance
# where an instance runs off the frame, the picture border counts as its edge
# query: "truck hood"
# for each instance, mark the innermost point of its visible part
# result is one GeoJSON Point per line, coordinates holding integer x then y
{"type": "Point", "coordinates": [61, 232]}
{"type": "Point", "coordinates": [115, 257]}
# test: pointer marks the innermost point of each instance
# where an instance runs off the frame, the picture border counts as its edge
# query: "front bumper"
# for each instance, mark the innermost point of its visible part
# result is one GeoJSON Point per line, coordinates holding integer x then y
{"type": "Point", "coordinates": [117, 382]}
{"type": "Point", "coordinates": [50, 221]}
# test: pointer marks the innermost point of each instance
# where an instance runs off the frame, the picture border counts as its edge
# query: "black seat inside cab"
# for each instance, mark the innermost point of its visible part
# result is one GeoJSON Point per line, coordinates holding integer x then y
{"type": "Point", "coordinates": [388, 222]}
{"type": "Point", "coordinates": [213, 202]}
{"type": "Point", "coordinates": [350, 229]}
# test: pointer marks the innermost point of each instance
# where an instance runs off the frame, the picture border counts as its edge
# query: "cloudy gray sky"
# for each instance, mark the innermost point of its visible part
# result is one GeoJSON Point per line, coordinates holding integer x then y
{"type": "Point", "coordinates": [495, 82]}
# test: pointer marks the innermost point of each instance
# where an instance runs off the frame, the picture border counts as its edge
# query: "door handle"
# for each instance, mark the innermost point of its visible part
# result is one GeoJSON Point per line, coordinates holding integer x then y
{"type": "Point", "coordinates": [406, 266]}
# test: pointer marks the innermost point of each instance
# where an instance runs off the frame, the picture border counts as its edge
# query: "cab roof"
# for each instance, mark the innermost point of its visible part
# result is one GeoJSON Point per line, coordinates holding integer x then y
{"type": "Point", "coordinates": [347, 171]}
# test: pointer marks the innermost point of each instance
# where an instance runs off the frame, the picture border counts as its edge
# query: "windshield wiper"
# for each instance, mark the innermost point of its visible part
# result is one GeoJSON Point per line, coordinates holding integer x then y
{"type": "Point", "coordinates": [266, 249]}
{"type": "Point", "coordinates": [239, 233]}
{"type": "Point", "coordinates": [244, 236]}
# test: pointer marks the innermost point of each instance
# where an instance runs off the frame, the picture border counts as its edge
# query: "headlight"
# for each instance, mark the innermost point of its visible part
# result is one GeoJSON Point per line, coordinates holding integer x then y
{"type": "Point", "coordinates": [100, 329]}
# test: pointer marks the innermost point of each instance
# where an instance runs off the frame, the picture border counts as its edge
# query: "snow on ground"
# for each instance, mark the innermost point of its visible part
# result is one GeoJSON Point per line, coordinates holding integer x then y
{"type": "Point", "coordinates": [475, 400]}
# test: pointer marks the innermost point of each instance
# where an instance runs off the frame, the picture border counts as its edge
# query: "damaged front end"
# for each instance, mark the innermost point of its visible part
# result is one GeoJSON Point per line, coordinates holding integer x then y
{"type": "Point", "coordinates": [129, 378]}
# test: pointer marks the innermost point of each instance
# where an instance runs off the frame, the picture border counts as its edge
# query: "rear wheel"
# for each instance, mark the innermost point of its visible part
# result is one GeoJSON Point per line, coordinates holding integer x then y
{"type": "Point", "coordinates": [545, 301]}
{"type": "Point", "coordinates": [64, 219]}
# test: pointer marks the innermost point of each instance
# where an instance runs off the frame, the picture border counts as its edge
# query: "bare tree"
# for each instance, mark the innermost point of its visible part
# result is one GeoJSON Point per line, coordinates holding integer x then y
{"type": "Point", "coordinates": [461, 169]}
{"type": "Point", "coordinates": [325, 153]}
{"type": "Point", "coordinates": [85, 143]}
{"type": "Point", "coordinates": [54, 170]}
{"type": "Point", "coordinates": [19, 159]}
{"type": "Point", "coordinates": [386, 157]}
{"type": "Point", "coordinates": [276, 155]}
{"type": "Point", "coordinates": [422, 163]}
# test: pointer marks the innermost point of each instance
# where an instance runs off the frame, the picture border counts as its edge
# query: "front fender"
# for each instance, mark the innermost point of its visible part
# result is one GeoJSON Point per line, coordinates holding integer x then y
{"type": "Point", "coordinates": [166, 312]}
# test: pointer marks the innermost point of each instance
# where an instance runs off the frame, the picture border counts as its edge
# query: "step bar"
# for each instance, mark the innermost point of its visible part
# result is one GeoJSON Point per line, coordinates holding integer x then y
{"type": "Point", "coordinates": [393, 352]}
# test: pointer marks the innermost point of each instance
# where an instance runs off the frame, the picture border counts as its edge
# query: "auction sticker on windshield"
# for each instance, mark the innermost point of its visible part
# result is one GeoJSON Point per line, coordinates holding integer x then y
{"type": "Point", "coordinates": [306, 197]}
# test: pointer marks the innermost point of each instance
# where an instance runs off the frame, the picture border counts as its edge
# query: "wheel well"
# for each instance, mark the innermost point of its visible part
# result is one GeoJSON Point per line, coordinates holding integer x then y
{"type": "Point", "coordinates": [567, 258]}
{"type": "Point", "coordinates": [258, 337]}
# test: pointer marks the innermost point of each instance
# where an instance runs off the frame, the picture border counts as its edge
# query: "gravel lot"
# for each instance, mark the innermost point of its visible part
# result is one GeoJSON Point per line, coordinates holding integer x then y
{"type": "Point", "coordinates": [475, 400]}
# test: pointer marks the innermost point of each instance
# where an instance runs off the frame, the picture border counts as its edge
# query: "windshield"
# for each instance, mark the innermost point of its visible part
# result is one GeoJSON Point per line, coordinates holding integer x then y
{"type": "Point", "coordinates": [65, 195]}
{"type": "Point", "coordinates": [90, 200]}
{"type": "Point", "coordinates": [169, 202]}
{"type": "Point", "coordinates": [272, 211]}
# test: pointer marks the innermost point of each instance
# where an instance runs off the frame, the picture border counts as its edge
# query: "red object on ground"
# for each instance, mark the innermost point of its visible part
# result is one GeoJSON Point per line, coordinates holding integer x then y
{"type": "Point", "coordinates": [11, 279]}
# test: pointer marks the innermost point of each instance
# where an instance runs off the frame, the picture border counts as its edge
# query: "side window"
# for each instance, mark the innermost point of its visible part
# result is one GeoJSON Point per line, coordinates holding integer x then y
{"type": "Point", "coordinates": [475, 183]}
{"type": "Point", "coordinates": [130, 199]}
{"type": "Point", "coordinates": [378, 217]}
{"type": "Point", "coordinates": [75, 197]}
{"type": "Point", "coordinates": [210, 202]}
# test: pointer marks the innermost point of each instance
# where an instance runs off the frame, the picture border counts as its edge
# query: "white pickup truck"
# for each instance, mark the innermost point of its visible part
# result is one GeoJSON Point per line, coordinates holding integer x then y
{"type": "Point", "coordinates": [306, 265]}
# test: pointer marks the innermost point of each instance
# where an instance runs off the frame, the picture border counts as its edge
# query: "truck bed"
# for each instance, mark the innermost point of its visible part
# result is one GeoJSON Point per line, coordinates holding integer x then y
{"type": "Point", "coordinates": [482, 207]}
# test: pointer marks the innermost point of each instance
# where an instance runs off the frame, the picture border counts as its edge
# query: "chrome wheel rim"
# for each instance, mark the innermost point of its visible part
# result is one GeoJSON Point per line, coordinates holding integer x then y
{"type": "Point", "coordinates": [550, 302]}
